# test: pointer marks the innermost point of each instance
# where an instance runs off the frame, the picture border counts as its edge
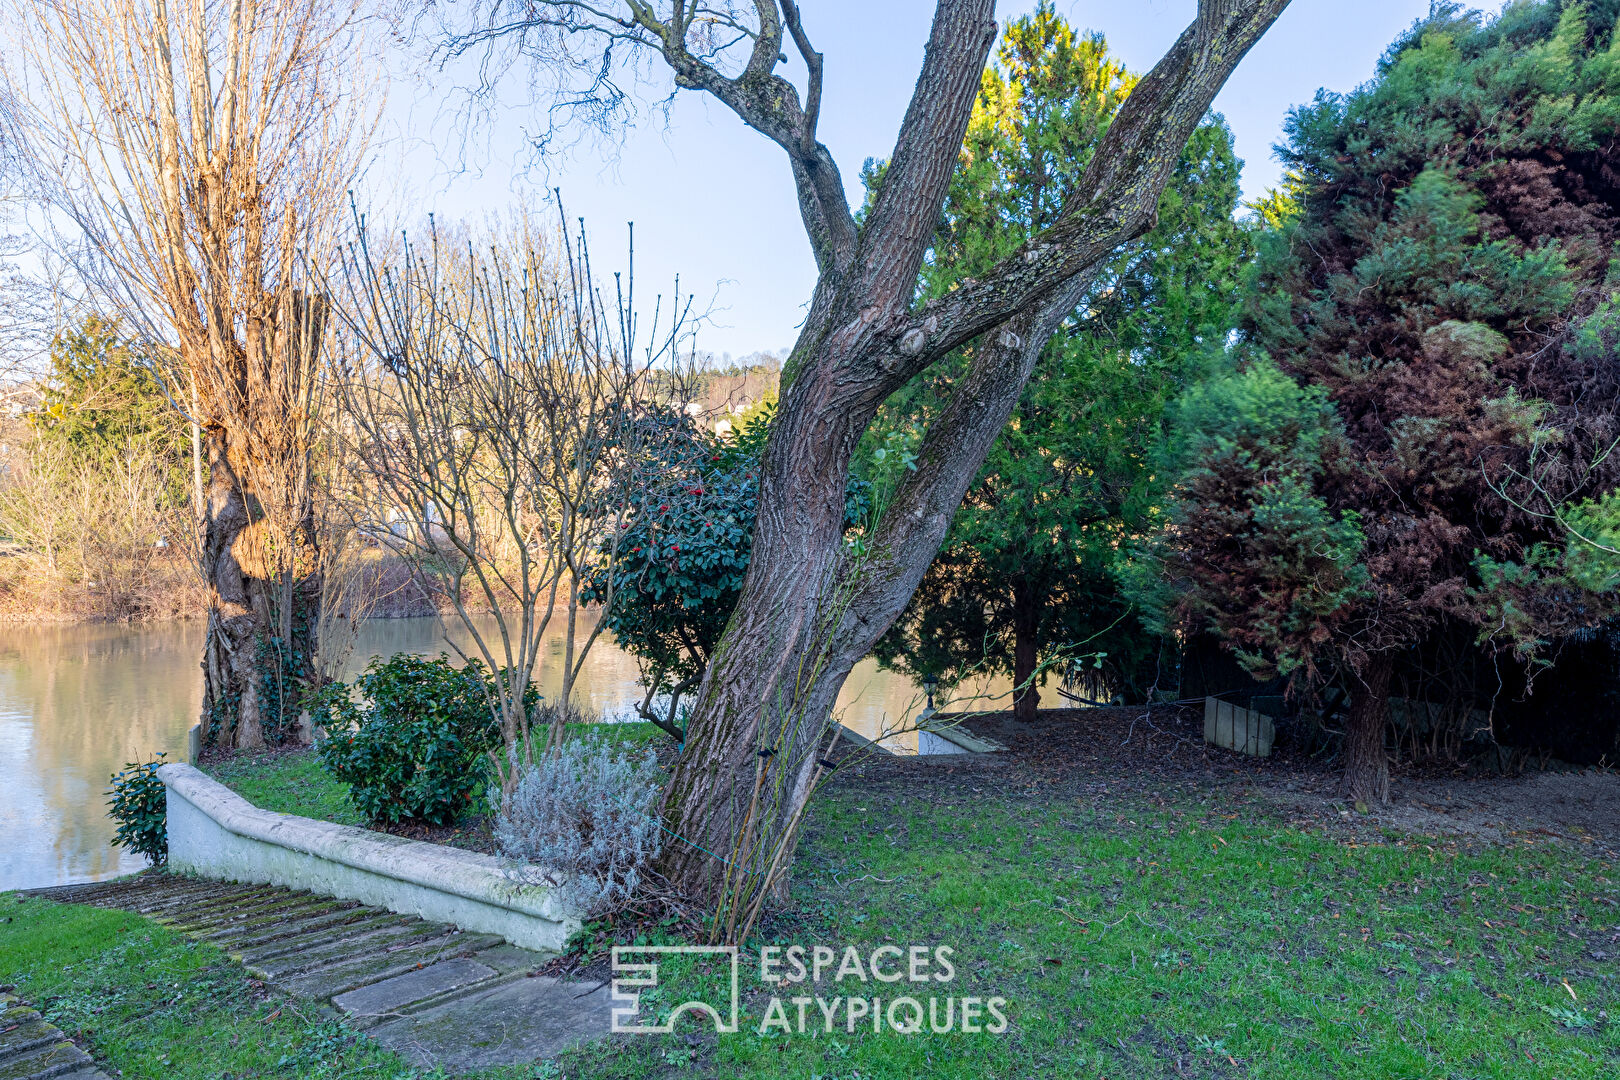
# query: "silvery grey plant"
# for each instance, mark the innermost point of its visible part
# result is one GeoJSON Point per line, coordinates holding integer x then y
{"type": "Point", "coordinates": [583, 814]}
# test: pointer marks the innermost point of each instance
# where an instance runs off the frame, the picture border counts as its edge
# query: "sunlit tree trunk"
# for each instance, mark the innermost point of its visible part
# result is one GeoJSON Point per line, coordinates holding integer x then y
{"type": "Point", "coordinates": [811, 606]}
{"type": "Point", "coordinates": [203, 152]}
{"type": "Point", "coordinates": [230, 689]}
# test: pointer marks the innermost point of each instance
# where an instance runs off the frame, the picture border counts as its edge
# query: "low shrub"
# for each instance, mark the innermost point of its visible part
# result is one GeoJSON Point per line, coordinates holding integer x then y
{"type": "Point", "coordinates": [583, 813]}
{"type": "Point", "coordinates": [137, 801]}
{"type": "Point", "coordinates": [409, 737]}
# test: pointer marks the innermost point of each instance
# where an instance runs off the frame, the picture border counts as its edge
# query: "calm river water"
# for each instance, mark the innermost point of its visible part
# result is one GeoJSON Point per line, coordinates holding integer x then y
{"type": "Point", "coordinates": [77, 702]}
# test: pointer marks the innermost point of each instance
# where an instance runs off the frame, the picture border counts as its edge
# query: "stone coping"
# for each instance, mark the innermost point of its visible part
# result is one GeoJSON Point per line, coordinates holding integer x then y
{"type": "Point", "coordinates": [214, 832]}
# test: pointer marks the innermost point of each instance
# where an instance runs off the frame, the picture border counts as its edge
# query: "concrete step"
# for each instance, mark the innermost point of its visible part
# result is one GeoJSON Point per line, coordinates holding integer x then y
{"type": "Point", "coordinates": [22, 1039]}
{"type": "Point", "coordinates": [32, 1048]}
{"type": "Point", "coordinates": [279, 959]}
{"type": "Point", "coordinates": [312, 924]}
{"type": "Point", "coordinates": [517, 1020]}
{"type": "Point", "coordinates": [388, 997]}
{"type": "Point", "coordinates": [174, 903]}
{"type": "Point", "coordinates": [150, 890]}
{"type": "Point", "coordinates": [504, 964]}
{"type": "Point", "coordinates": [433, 993]}
{"type": "Point", "coordinates": [324, 982]}
{"type": "Point", "coordinates": [242, 908]}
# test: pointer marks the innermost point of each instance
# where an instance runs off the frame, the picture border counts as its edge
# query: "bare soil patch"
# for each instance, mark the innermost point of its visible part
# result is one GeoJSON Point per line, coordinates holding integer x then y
{"type": "Point", "coordinates": [1138, 751]}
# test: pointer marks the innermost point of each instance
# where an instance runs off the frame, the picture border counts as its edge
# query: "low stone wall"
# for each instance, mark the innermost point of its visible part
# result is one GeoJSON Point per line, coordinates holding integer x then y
{"type": "Point", "coordinates": [215, 833]}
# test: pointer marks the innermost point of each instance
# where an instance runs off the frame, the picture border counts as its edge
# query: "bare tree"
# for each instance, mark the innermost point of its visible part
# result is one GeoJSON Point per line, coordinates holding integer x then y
{"type": "Point", "coordinates": [500, 406]}
{"type": "Point", "coordinates": [24, 328]}
{"type": "Point", "coordinates": [199, 153]}
{"type": "Point", "coordinates": [865, 336]}
{"type": "Point", "coordinates": [91, 536]}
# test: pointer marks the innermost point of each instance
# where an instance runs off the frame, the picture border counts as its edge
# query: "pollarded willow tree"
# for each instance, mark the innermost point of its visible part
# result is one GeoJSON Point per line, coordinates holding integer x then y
{"type": "Point", "coordinates": [814, 601]}
{"type": "Point", "coordinates": [199, 154]}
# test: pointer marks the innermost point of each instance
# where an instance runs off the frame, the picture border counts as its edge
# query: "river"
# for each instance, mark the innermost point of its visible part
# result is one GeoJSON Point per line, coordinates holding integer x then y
{"type": "Point", "coordinates": [79, 701]}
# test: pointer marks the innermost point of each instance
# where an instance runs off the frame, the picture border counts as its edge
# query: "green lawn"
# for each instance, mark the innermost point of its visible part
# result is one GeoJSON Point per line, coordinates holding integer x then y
{"type": "Point", "coordinates": [293, 782]}
{"type": "Point", "coordinates": [158, 1006]}
{"type": "Point", "coordinates": [288, 782]}
{"type": "Point", "coordinates": [155, 1004]}
{"type": "Point", "coordinates": [1147, 939]}
{"type": "Point", "coordinates": [1190, 934]}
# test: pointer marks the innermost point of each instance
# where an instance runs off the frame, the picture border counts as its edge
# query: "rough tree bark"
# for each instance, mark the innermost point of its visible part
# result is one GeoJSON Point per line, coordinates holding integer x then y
{"type": "Point", "coordinates": [809, 610]}
{"type": "Point", "coordinates": [810, 605]}
{"type": "Point", "coordinates": [1026, 625]}
{"type": "Point", "coordinates": [230, 692]}
{"type": "Point", "coordinates": [260, 554]}
{"type": "Point", "coordinates": [1366, 766]}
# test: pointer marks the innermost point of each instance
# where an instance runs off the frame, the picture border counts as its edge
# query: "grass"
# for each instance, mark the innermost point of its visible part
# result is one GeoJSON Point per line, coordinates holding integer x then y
{"type": "Point", "coordinates": [293, 781]}
{"type": "Point", "coordinates": [1177, 939]}
{"type": "Point", "coordinates": [155, 1004]}
{"type": "Point", "coordinates": [1192, 934]}
{"type": "Point", "coordinates": [288, 782]}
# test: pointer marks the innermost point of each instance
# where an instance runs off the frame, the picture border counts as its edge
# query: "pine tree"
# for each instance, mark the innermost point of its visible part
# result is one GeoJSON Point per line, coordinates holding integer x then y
{"type": "Point", "coordinates": [1026, 574]}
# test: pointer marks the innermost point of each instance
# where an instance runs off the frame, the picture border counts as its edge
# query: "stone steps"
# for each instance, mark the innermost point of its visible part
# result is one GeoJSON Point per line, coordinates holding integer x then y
{"type": "Point", "coordinates": [32, 1049]}
{"type": "Point", "coordinates": [434, 994]}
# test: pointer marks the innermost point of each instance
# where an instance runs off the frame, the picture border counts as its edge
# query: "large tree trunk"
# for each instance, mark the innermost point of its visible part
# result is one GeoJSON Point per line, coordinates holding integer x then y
{"type": "Point", "coordinates": [1366, 767]}
{"type": "Point", "coordinates": [1026, 625]}
{"type": "Point", "coordinates": [230, 715]}
{"type": "Point", "coordinates": [812, 606]}
{"type": "Point", "coordinates": [767, 669]}
{"type": "Point", "coordinates": [258, 656]}
{"type": "Point", "coordinates": [808, 612]}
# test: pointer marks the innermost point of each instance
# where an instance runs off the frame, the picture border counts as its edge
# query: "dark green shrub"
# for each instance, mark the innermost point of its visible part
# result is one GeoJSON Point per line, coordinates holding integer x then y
{"type": "Point", "coordinates": [137, 802]}
{"type": "Point", "coordinates": [410, 737]}
{"type": "Point", "coordinates": [683, 551]}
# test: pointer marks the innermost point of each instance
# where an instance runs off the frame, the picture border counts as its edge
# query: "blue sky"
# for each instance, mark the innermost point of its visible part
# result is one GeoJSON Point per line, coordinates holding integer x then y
{"type": "Point", "coordinates": [713, 201]}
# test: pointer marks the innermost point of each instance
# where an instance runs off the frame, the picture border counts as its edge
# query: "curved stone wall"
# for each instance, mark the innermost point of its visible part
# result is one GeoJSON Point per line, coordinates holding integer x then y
{"type": "Point", "coordinates": [215, 833]}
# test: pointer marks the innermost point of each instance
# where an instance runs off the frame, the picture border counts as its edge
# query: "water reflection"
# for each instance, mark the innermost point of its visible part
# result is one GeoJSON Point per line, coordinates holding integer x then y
{"type": "Point", "coordinates": [77, 702]}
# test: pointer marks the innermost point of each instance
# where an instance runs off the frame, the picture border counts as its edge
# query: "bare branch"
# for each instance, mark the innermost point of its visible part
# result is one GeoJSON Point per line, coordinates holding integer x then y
{"type": "Point", "coordinates": [815, 64]}
{"type": "Point", "coordinates": [191, 152]}
{"type": "Point", "coordinates": [696, 42]}
{"type": "Point", "coordinates": [499, 406]}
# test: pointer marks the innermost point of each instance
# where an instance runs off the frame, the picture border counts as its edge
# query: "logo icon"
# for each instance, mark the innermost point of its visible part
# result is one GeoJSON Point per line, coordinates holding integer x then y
{"type": "Point", "coordinates": [635, 967]}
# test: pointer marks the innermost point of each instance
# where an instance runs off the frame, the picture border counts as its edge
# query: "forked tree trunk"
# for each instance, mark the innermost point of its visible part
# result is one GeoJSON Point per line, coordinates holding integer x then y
{"type": "Point", "coordinates": [264, 577]}
{"type": "Point", "coordinates": [1366, 766]}
{"type": "Point", "coordinates": [811, 606]}
{"type": "Point", "coordinates": [1026, 626]}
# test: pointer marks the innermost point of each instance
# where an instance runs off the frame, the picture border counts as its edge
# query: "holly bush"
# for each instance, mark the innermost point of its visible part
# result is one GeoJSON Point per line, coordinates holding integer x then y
{"type": "Point", "coordinates": [681, 558]}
